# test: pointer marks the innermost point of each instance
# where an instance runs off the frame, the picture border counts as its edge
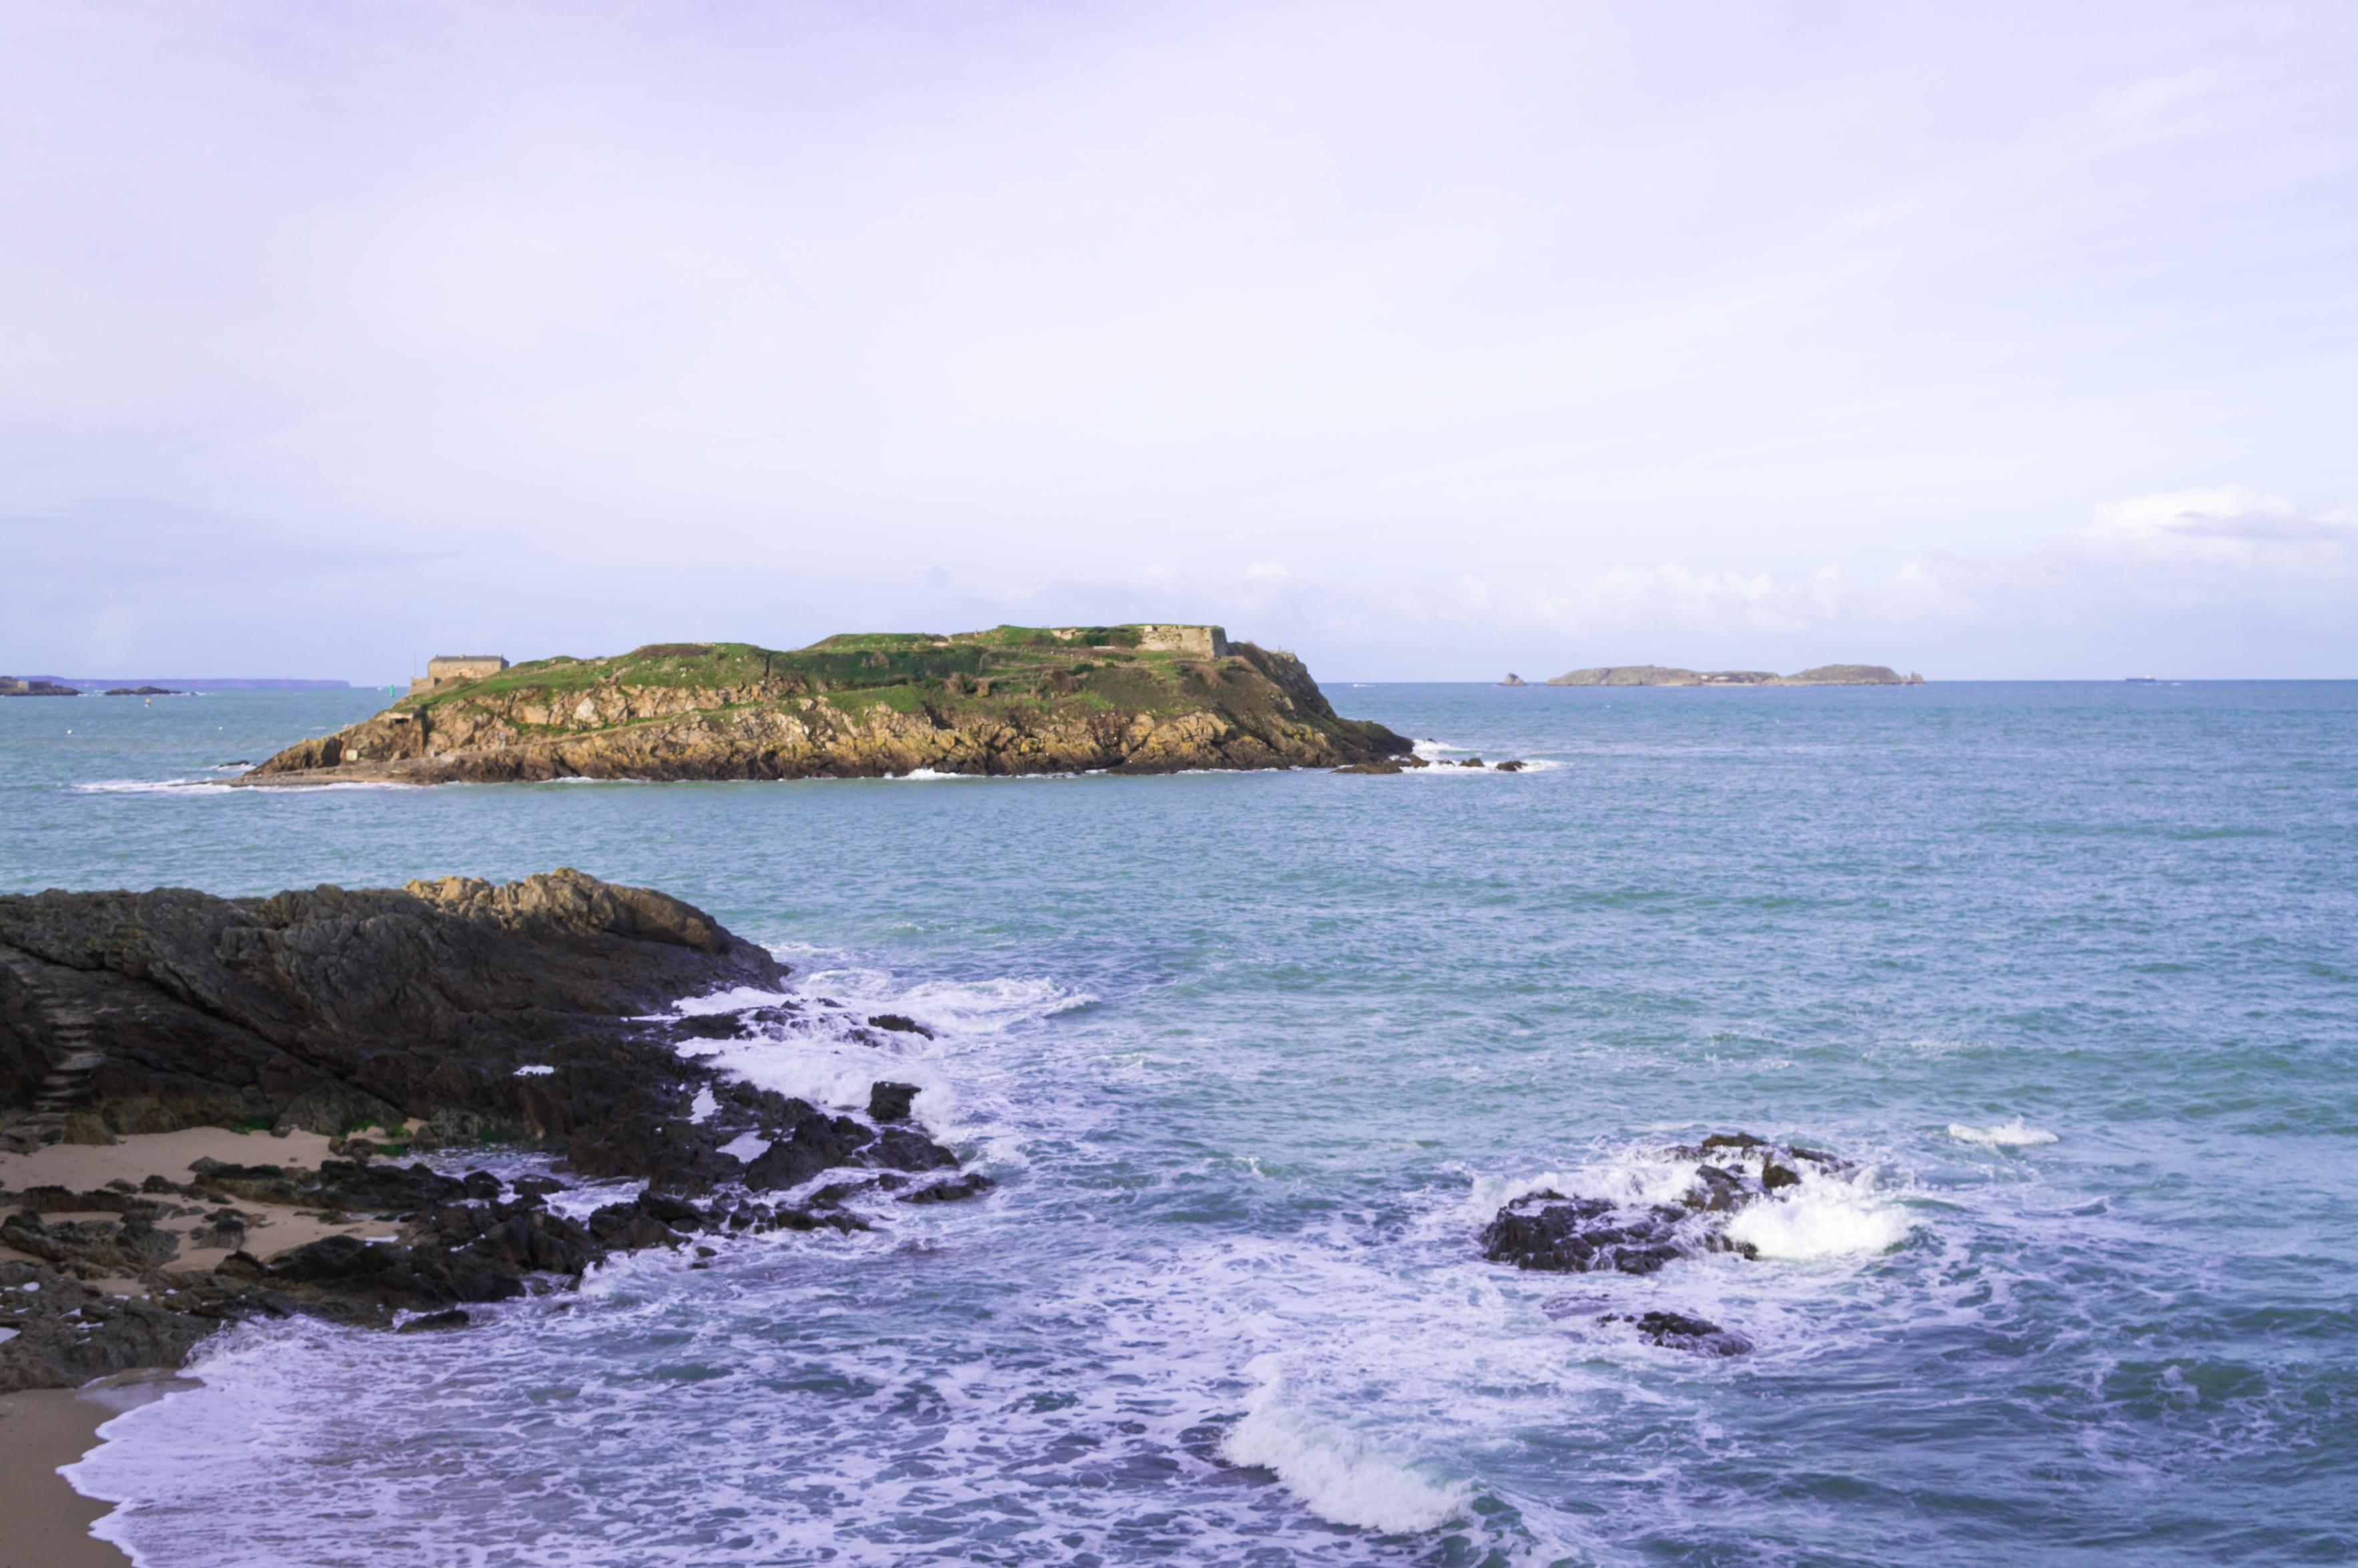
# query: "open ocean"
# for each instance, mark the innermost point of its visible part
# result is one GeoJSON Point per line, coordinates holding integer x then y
{"type": "Point", "coordinates": [2071, 970]}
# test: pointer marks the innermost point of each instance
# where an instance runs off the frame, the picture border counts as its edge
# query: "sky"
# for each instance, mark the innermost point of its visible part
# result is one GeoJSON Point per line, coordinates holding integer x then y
{"type": "Point", "coordinates": [1430, 341]}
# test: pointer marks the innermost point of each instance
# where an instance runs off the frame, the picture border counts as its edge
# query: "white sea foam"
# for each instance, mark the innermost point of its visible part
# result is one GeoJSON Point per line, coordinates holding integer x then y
{"type": "Point", "coordinates": [2012, 1134]}
{"type": "Point", "coordinates": [1825, 1217]}
{"type": "Point", "coordinates": [1828, 1215]}
{"type": "Point", "coordinates": [705, 1106]}
{"type": "Point", "coordinates": [1339, 1474]}
{"type": "Point", "coordinates": [148, 786]}
{"type": "Point", "coordinates": [535, 1070]}
{"type": "Point", "coordinates": [746, 1146]}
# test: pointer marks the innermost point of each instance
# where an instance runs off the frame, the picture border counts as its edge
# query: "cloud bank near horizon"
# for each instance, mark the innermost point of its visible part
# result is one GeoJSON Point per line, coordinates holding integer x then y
{"type": "Point", "coordinates": [2000, 344]}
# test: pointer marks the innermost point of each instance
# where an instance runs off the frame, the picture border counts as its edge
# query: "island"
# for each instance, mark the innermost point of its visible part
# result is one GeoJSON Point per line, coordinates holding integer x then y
{"type": "Point", "coordinates": [1662, 674]}
{"type": "Point", "coordinates": [23, 685]}
{"type": "Point", "coordinates": [1014, 699]}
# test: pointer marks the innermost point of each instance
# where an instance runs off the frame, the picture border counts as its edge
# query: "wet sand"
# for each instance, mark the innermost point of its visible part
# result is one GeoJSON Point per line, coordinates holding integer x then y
{"type": "Point", "coordinates": [44, 1522]}
{"type": "Point", "coordinates": [48, 1522]}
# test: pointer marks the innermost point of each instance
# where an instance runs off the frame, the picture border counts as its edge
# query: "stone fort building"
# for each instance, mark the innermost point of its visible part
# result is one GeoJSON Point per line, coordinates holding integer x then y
{"type": "Point", "coordinates": [456, 669]}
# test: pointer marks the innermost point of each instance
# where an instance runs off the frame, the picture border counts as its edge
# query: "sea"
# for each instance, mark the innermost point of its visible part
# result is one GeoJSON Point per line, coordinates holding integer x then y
{"type": "Point", "coordinates": [2068, 971]}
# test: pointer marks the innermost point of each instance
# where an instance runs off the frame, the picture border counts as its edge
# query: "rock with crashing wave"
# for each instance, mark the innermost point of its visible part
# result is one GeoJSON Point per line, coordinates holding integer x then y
{"type": "Point", "coordinates": [1558, 1233]}
{"type": "Point", "coordinates": [1015, 699]}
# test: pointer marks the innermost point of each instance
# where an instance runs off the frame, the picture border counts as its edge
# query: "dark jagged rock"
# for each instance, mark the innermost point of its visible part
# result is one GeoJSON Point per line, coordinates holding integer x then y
{"type": "Point", "coordinates": [330, 1009]}
{"type": "Point", "coordinates": [897, 1024]}
{"type": "Point", "coordinates": [1550, 1231]}
{"type": "Point", "coordinates": [1676, 1331]}
{"type": "Point", "coordinates": [93, 1248]}
{"type": "Point", "coordinates": [816, 1143]}
{"type": "Point", "coordinates": [410, 1010]}
{"type": "Point", "coordinates": [974, 1183]}
{"type": "Point", "coordinates": [66, 1334]}
{"type": "Point", "coordinates": [433, 1322]}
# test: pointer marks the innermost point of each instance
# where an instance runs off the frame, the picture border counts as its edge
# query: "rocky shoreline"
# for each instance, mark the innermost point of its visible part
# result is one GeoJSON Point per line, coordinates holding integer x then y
{"type": "Point", "coordinates": [436, 1019]}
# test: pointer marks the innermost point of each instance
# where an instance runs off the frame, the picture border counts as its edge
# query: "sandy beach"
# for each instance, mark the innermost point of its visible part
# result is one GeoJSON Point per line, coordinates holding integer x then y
{"type": "Point", "coordinates": [41, 1429]}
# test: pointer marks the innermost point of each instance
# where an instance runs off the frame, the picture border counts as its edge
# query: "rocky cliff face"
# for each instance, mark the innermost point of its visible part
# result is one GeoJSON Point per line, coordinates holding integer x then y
{"type": "Point", "coordinates": [1014, 700]}
{"type": "Point", "coordinates": [330, 1008]}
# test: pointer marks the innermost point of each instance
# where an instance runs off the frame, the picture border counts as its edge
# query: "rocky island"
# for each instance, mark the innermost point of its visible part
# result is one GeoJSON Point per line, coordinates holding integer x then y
{"type": "Point", "coordinates": [319, 1040]}
{"type": "Point", "coordinates": [1015, 699]}
{"type": "Point", "coordinates": [1664, 674]}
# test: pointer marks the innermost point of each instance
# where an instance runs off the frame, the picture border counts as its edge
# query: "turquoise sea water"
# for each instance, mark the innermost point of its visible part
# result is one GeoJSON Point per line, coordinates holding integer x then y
{"type": "Point", "coordinates": [2071, 970]}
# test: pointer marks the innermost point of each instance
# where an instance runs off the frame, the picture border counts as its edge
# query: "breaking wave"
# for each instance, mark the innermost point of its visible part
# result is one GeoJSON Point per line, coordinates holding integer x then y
{"type": "Point", "coordinates": [2015, 1134]}
{"type": "Point", "coordinates": [1337, 1473]}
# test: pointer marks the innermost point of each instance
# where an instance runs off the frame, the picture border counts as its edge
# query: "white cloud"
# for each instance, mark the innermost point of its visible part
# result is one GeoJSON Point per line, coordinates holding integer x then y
{"type": "Point", "coordinates": [2227, 526]}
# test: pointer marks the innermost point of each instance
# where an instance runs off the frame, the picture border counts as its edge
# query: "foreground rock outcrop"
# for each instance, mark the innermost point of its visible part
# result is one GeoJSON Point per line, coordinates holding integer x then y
{"type": "Point", "coordinates": [1014, 699]}
{"type": "Point", "coordinates": [534, 1015]}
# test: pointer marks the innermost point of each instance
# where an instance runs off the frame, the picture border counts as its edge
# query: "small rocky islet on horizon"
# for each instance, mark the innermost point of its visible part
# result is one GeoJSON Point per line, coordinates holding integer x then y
{"type": "Point", "coordinates": [1140, 698]}
{"type": "Point", "coordinates": [1666, 674]}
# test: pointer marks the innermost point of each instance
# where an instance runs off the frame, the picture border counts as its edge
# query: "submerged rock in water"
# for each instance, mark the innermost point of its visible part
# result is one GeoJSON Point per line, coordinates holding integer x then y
{"type": "Point", "coordinates": [1676, 1331]}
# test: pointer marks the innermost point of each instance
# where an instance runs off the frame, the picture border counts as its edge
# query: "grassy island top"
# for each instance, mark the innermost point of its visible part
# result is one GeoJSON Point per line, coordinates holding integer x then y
{"type": "Point", "coordinates": [1143, 667]}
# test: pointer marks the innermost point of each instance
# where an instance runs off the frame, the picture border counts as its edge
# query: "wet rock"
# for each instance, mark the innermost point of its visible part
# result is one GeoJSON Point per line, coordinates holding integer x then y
{"type": "Point", "coordinates": [1547, 1231]}
{"type": "Point", "coordinates": [815, 1143]}
{"type": "Point", "coordinates": [346, 1278]}
{"type": "Point", "coordinates": [890, 1102]}
{"type": "Point", "coordinates": [973, 1185]}
{"type": "Point", "coordinates": [1512, 766]}
{"type": "Point", "coordinates": [434, 1322]}
{"type": "Point", "coordinates": [897, 1024]}
{"type": "Point", "coordinates": [65, 1334]}
{"type": "Point", "coordinates": [1676, 1331]}
{"type": "Point", "coordinates": [626, 1225]}
{"type": "Point", "coordinates": [93, 1249]}
{"type": "Point", "coordinates": [1386, 767]}
{"type": "Point", "coordinates": [1581, 1234]}
{"type": "Point", "coordinates": [898, 1149]}
{"type": "Point", "coordinates": [321, 1007]}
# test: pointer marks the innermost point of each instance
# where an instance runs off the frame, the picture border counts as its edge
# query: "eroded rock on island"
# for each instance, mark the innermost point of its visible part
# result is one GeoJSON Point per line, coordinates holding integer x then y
{"type": "Point", "coordinates": [1016, 699]}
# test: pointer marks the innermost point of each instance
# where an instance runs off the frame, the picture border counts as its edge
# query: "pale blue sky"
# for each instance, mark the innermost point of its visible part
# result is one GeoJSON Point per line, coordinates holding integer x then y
{"type": "Point", "coordinates": [1430, 340]}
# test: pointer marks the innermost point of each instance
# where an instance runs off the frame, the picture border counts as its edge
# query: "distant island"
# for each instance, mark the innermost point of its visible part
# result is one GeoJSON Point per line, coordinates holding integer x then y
{"type": "Point", "coordinates": [1014, 699]}
{"type": "Point", "coordinates": [157, 685]}
{"type": "Point", "coordinates": [1662, 674]}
